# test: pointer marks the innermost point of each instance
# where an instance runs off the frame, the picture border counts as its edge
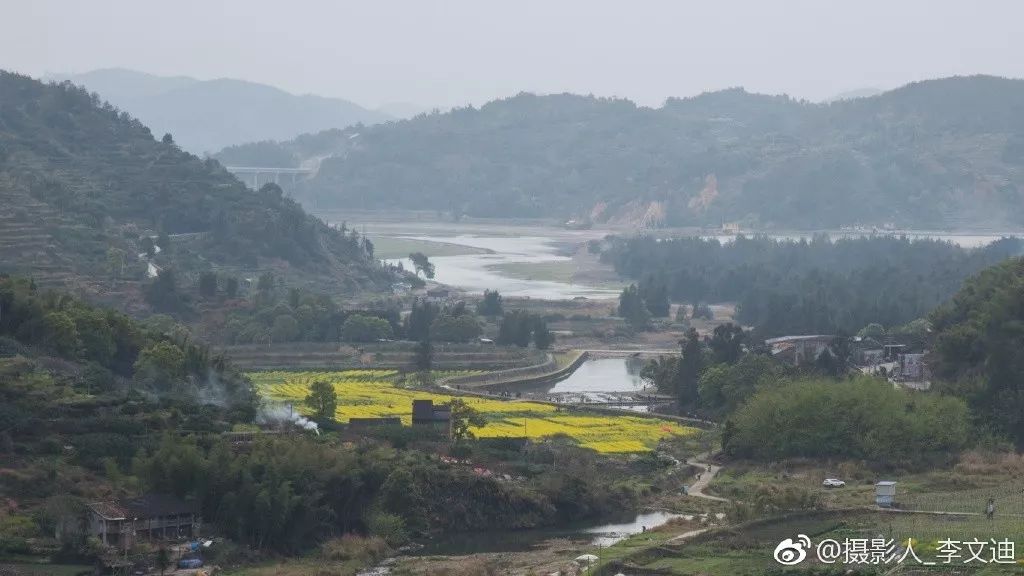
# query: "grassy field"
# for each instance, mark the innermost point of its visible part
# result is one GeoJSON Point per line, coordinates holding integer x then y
{"type": "Point", "coordinates": [556, 271]}
{"type": "Point", "coordinates": [964, 487]}
{"type": "Point", "coordinates": [748, 549]}
{"type": "Point", "coordinates": [567, 271]}
{"type": "Point", "coordinates": [375, 393]}
{"type": "Point", "coordinates": [45, 569]}
{"type": "Point", "coordinates": [300, 567]}
{"type": "Point", "coordinates": [399, 247]}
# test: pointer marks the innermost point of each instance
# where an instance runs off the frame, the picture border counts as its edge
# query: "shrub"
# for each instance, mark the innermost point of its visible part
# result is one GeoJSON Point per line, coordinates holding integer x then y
{"type": "Point", "coordinates": [365, 549]}
{"type": "Point", "coordinates": [389, 527]}
{"type": "Point", "coordinates": [361, 328]}
{"type": "Point", "coordinates": [449, 328]}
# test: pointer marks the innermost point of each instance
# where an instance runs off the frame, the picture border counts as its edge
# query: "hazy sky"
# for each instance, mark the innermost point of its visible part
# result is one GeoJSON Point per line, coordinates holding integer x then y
{"type": "Point", "coordinates": [469, 51]}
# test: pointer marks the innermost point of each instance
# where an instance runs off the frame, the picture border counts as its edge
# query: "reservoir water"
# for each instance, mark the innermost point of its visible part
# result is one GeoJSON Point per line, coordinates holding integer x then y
{"type": "Point", "coordinates": [479, 272]}
{"type": "Point", "coordinates": [611, 382]}
{"type": "Point", "coordinates": [603, 375]}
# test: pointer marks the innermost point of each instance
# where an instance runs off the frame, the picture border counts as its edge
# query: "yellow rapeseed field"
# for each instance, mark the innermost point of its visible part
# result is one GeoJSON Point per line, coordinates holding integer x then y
{"type": "Point", "coordinates": [373, 393]}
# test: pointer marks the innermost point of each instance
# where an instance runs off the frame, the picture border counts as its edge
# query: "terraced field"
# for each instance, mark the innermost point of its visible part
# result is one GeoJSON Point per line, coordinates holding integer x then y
{"type": "Point", "coordinates": [376, 393]}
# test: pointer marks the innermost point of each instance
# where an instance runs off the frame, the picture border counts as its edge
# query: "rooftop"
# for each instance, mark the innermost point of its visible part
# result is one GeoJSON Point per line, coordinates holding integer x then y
{"type": "Point", "coordinates": [145, 506]}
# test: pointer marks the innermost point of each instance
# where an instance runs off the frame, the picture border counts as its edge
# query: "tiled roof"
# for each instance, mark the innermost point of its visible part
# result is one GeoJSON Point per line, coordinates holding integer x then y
{"type": "Point", "coordinates": [109, 510]}
{"type": "Point", "coordinates": [145, 506]}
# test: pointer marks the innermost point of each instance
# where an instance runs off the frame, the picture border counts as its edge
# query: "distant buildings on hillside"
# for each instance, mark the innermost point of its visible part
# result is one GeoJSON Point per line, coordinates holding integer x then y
{"type": "Point", "coordinates": [906, 369]}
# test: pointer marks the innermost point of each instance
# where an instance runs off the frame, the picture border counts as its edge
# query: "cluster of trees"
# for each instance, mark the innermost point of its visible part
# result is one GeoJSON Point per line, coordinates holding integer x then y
{"type": "Point", "coordinates": [363, 328]}
{"type": "Point", "coordinates": [453, 322]}
{"type": "Point", "coordinates": [808, 286]}
{"type": "Point", "coordinates": [288, 495]}
{"type": "Point", "coordinates": [279, 315]}
{"type": "Point", "coordinates": [491, 304]}
{"type": "Point", "coordinates": [979, 348]}
{"type": "Point", "coordinates": [519, 328]}
{"type": "Point", "coordinates": [683, 376]}
{"type": "Point", "coordinates": [638, 304]}
{"type": "Point", "coordinates": [862, 418]}
{"type": "Point", "coordinates": [772, 160]}
{"type": "Point", "coordinates": [114, 347]}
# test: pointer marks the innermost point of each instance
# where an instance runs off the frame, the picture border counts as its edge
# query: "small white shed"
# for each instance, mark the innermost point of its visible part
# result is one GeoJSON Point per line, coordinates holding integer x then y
{"type": "Point", "coordinates": [885, 493]}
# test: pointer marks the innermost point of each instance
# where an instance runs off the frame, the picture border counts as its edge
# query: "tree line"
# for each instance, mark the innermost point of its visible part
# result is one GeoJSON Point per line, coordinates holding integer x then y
{"type": "Point", "coordinates": [820, 285]}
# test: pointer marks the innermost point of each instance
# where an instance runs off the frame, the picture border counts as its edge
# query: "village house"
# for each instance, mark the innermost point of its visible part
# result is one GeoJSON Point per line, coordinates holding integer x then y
{"type": "Point", "coordinates": [437, 294]}
{"type": "Point", "coordinates": [424, 413]}
{"type": "Point", "coordinates": [149, 517]}
{"type": "Point", "coordinates": [912, 367]}
{"type": "Point", "coordinates": [866, 351]}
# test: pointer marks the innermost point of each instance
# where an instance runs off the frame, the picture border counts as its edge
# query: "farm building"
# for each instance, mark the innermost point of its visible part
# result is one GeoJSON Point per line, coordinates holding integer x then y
{"type": "Point", "coordinates": [437, 294]}
{"type": "Point", "coordinates": [866, 351]}
{"type": "Point", "coordinates": [425, 413]}
{"type": "Point", "coordinates": [148, 517]}
{"type": "Point", "coordinates": [885, 493]}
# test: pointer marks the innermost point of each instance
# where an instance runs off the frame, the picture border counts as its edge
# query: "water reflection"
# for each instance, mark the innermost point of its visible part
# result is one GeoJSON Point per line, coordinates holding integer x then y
{"type": "Point", "coordinates": [609, 534]}
{"type": "Point", "coordinates": [603, 375]}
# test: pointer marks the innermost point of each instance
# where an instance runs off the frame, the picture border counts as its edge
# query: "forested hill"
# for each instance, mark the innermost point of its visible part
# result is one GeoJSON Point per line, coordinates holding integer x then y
{"type": "Point", "coordinates": [86, 190]}
{"type": "Point", "coordinates": [979, 347]}
{"type": "Point", "coordinates": [939, 153]}
{"type": "Point", "coordinates": [207, 115]}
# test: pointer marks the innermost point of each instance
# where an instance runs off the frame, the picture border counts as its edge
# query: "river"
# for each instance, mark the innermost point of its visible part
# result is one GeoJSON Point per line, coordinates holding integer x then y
{"type": "Point", "coordinates": [479, 272]}
{"type": "Point", "coordinates": [598, 535]}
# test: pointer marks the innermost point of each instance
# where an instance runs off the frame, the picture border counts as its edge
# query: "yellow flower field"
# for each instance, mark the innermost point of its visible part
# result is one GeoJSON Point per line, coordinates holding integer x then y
{"type": "Point", "coordinates": [373, 393]}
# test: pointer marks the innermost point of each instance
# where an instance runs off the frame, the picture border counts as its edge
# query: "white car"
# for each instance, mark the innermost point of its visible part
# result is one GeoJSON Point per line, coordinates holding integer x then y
{"type": "Point", "coordinates": [833, 483]}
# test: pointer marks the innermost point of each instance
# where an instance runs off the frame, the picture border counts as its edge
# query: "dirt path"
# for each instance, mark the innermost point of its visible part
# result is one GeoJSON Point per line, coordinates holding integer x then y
{"type": "Point", "coordinates": [703, 479]}
{"type": "Point", "coordinates": [697, 490]}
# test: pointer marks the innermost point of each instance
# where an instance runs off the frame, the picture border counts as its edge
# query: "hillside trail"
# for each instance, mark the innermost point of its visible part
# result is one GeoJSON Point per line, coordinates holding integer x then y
{"type": "Point", "coordinates": [697, 490]}
{"type": "Point", "coordinates": [704, 478]}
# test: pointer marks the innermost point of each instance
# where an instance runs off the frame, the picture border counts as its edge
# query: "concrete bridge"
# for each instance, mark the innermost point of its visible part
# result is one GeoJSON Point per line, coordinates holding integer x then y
{"type": "Point", "coordinates": [255, 176]}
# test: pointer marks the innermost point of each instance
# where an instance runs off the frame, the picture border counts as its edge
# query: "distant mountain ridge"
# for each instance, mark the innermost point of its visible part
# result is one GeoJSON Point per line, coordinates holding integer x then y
{"type": "Point", "coordinates": [856, 93]}
{"type": "Point", "coordinates": [946, 153]}
{"type": "Point", "coordinates": [207, 115]}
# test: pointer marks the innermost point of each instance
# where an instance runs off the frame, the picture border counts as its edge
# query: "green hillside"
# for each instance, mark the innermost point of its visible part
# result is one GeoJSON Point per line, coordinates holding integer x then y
{"type": "Point", "coordinates": [87, 190]}
{"type": "Point", "coordinates": [941, 153]}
